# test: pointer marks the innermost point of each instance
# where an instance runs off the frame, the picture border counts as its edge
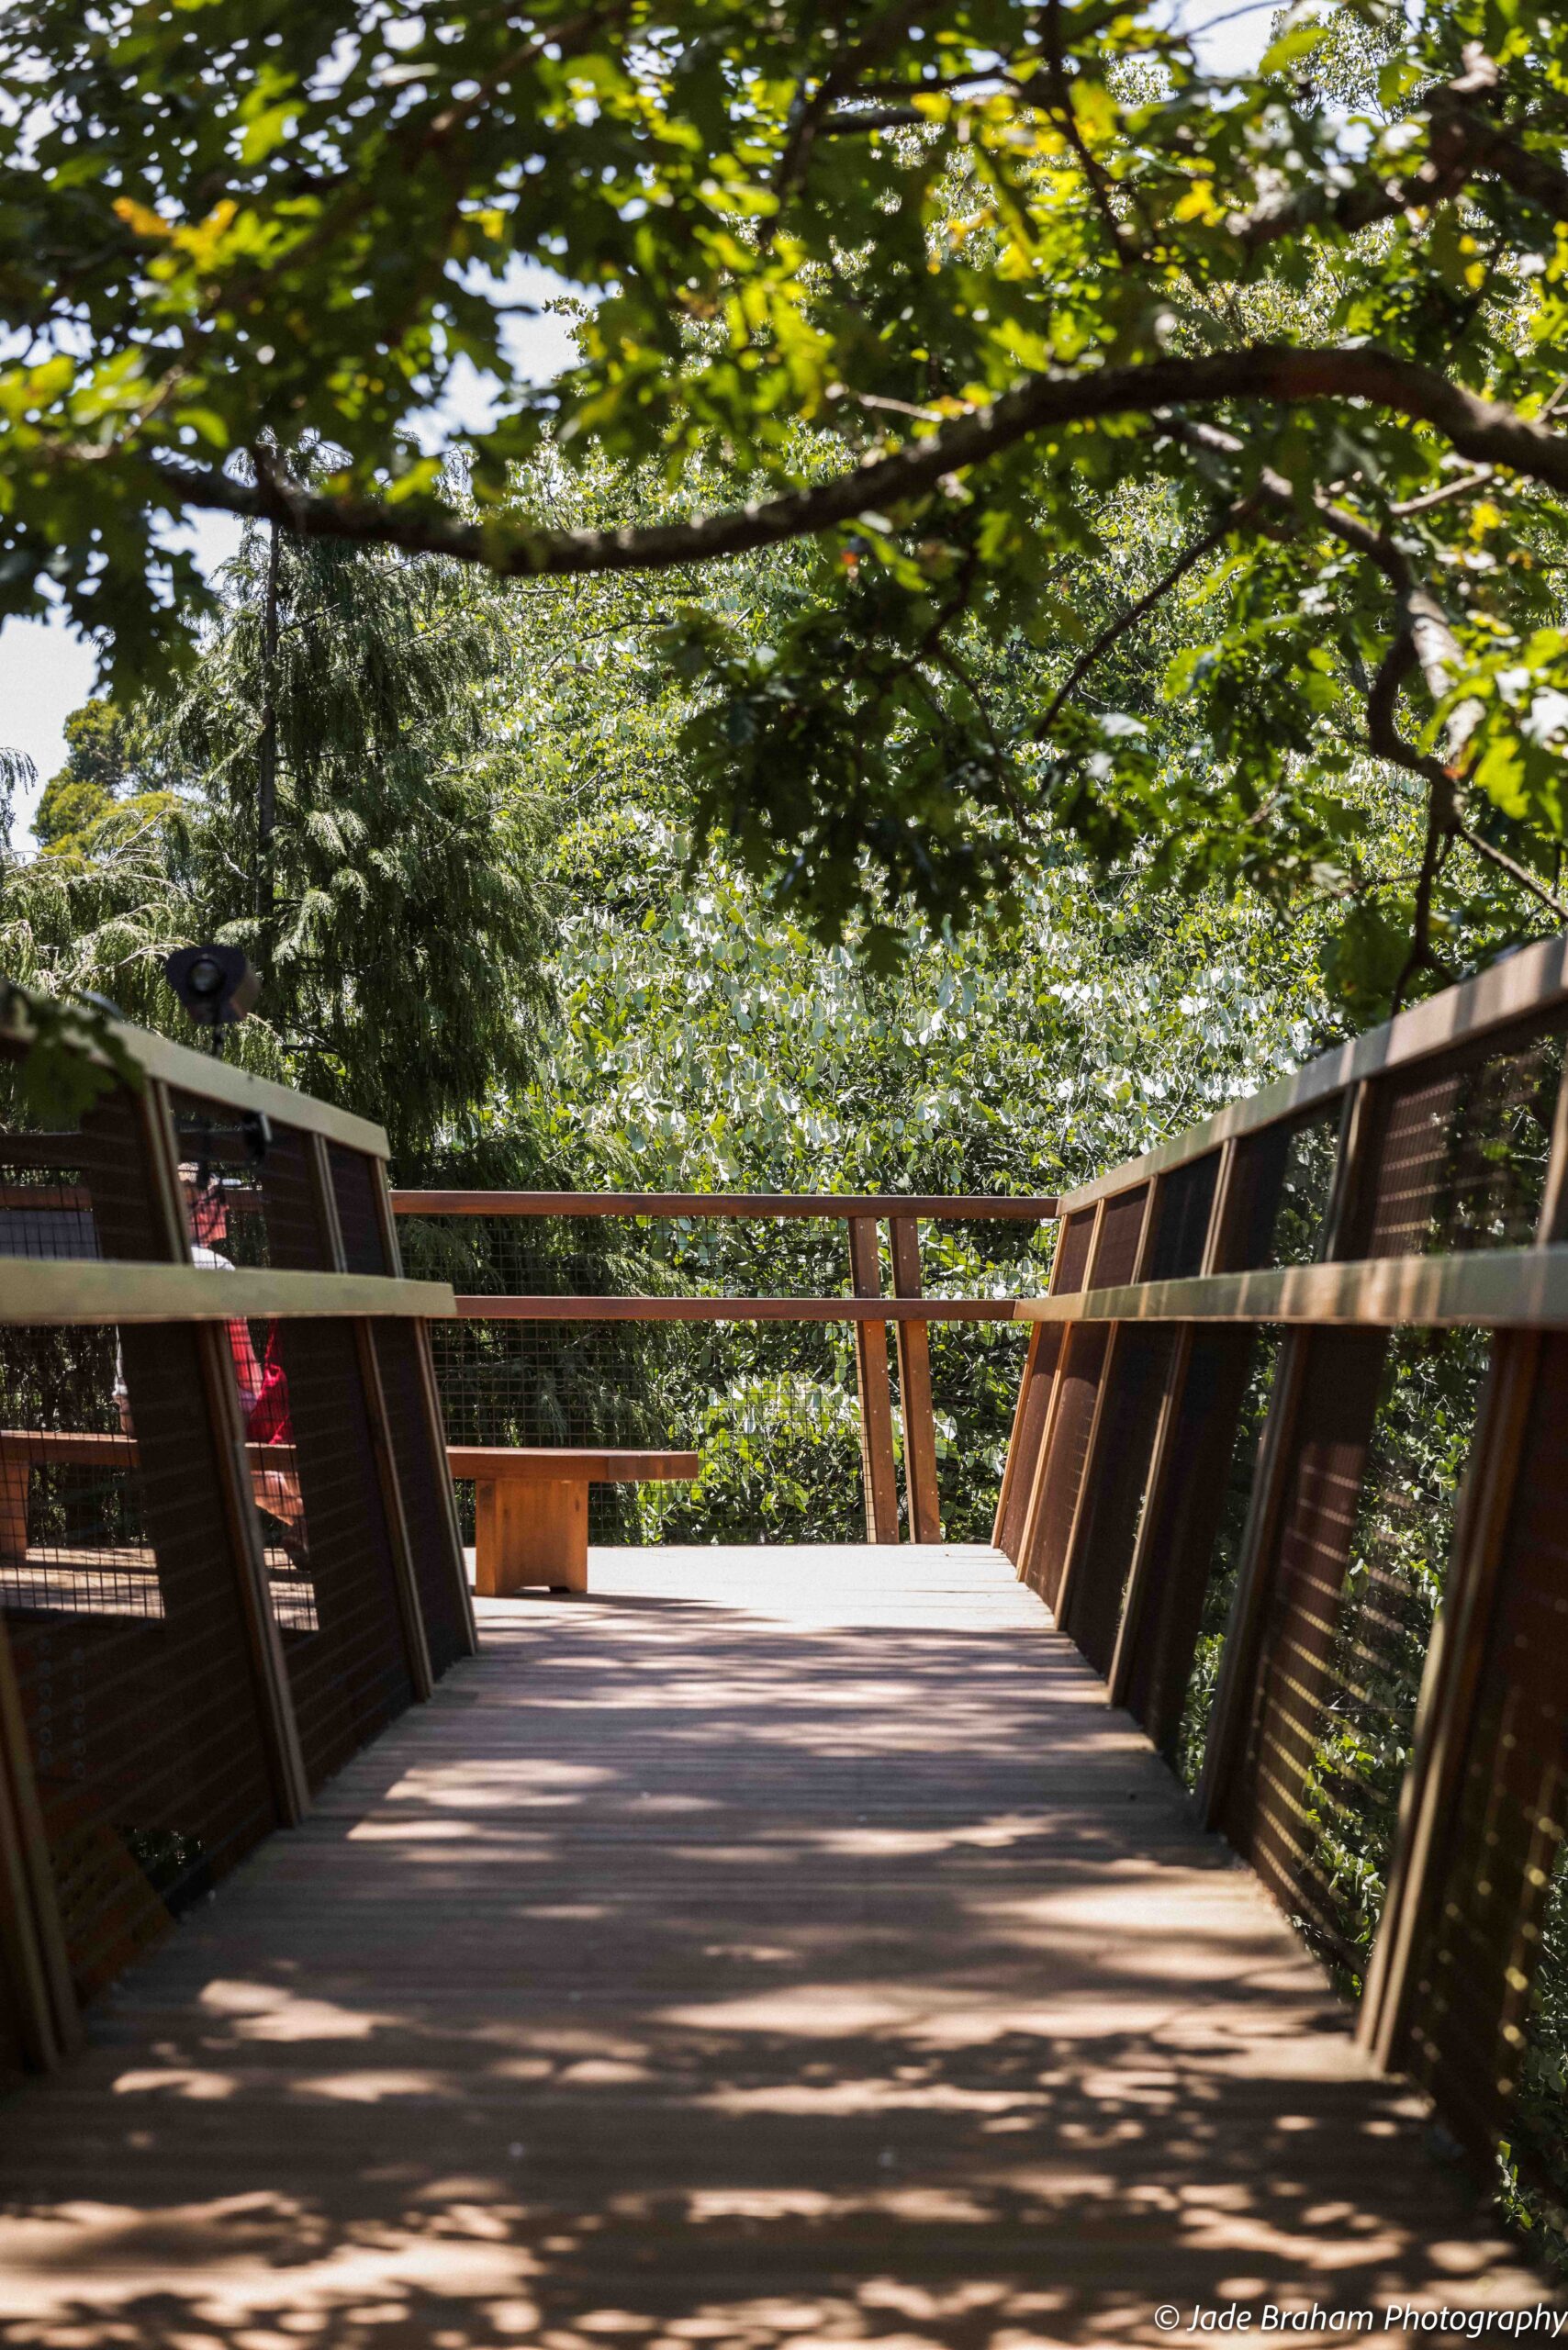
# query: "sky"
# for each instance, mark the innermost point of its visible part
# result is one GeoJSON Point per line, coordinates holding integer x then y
{"type": "Point", "coordinates": [47, 670]}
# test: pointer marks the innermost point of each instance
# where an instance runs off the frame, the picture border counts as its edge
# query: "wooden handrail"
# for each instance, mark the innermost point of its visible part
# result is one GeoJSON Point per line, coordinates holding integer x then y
{"type": "Point", "coordinates": [736, 1309]}
{"type": "Point", "coordinates": [956, 1208]}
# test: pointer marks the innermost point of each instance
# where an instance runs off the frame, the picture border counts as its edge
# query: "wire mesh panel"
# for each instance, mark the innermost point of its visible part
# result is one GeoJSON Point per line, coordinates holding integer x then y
{"type": "Point", "coordinates": [355, 1181]}
{"type": "Point", "coordinates": [1121, 1228]}
{"type": "Point", "coordinates": [422, 1482]}
{"type": "Point", "coordinates": [1085, 1352]}
{"type": "Point", "coordinates": [120, 1600]}
{"type": "Point", "coordinates": [1482, 2005]}
{"type": "Point", "coordinates": [348, 1667]}
{"type": "Point", "coordinates": [1114, 1502]}
{"type": "Point", "coordinates": [1194, 1541]}
{"type": "Point", "coordinates": [249, 1195]}
{"type": "Point", "coordinates": [1343, 1741]}
{"type": "Point", "coordinates": [1182, 1204]}
{"type": "Point", "coordinates": [1078, 1389]}
{"type": "Point", "coordinates": [1040, 1364]}
{"type": "Point", "coordinates": [82, 1192]}
{"type": "Point", "coordinates": [1280, 1193]}
{"type": "Point", "coordinates": [1274, 1815]}
{"type": "Point", "coordinates": [1461, 1150]}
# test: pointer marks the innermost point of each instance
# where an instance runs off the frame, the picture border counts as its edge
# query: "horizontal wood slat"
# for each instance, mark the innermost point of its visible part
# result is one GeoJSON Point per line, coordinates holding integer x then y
{"type": "Point", "coordinates": [197, 1072]}
{"type": "Point", "coordinates": [937, 1207]}
{"type": "Point", "coordinates": [550, 1464]}
{"type": "Point", "coordinates": [1516, 1287]}
{"type": "Point", "coordinates": [736, 1309]}
{"type": "Point", "coordinates": [71, 1289]}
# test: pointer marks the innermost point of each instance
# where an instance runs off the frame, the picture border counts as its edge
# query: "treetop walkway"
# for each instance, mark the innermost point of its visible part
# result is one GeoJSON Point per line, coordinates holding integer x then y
{"type": "Point", "coordinates": [787, 1944]}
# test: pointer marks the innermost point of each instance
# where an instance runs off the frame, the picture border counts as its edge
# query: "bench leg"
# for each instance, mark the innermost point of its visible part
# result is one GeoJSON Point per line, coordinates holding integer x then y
{"type": "Point", "coordinates": [527, 1533]}
{"type": "Point", "coordinates": [12, 1506]}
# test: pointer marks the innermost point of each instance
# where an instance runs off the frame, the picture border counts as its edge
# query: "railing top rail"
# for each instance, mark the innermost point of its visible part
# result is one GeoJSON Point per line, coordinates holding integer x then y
{"type": "Point", "coordinates": [202, 1074]}
{"type": "Point", "coordinates": [38, 1290]}
{"type": "Point", "coordinates": [959, 1208]}
{"type": "Point", "coordinates": [1535, 980]}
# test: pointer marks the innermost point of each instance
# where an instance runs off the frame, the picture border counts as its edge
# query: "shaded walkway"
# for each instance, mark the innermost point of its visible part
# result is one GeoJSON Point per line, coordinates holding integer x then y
{"type": "Point", "coordinates": [776, 1947]}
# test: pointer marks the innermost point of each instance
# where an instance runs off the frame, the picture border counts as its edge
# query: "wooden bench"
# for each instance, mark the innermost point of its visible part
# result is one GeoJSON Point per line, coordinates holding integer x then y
{"type": "Point", "coordinates": [531, 1521]}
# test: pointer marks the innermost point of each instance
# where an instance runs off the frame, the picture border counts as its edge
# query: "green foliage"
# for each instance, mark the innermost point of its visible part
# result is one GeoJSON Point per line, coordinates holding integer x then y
{"type": "Point", "coordinates": [392, 907]}
{"type": "Point", "coordinates": [922, 290]}
{"type": "Point", "coordinates": [103, 762]}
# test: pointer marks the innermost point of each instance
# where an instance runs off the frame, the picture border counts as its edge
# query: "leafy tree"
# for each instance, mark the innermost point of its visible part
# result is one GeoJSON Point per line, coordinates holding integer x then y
{"type": "Point", "coordinates": [339, 814]}
{"type": "Point", "coordinates": [933, 274]}
{"type": "Point", "coordinates": [103, 764]}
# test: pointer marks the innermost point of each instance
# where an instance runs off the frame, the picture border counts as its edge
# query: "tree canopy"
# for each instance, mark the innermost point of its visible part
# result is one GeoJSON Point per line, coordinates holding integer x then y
{"type": "Point", "coordinates": [909, 281]}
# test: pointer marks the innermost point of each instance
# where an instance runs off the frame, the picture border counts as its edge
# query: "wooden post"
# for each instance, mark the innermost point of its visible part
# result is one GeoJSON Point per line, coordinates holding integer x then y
{"type": "Point", "coordinates": [1082, 1508]}
{"type": "Point", "coordinates": [914, 1390]}
{"type": "Point", "coordinates": [530, 1532]}
{"type": "Point", "coordinates": [274, 1699]}
{"type": "Point", "coordinates": [32, 1943]}
{"type": "Point", "coordinates": [1152, 1533]}
{"type": "Point", "coordinates": [1029, 1536]}
{"type": "Point", "coordinates": [405, 1582]}
{"type": "Point", "coordinates": [1276, 1469]}
{"type": "Point", "coordinates": [871, 1379]}
{"type": "Point", "coordinates": [429, 1399]}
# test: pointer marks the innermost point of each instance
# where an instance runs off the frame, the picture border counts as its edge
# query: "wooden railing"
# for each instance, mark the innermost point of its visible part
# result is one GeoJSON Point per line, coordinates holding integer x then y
{"type": "Point", "coordinates": [1401, 1784]}
{"type": "Point", "coordinates": [229, 1552]}
{"type": "Point", "coordinates": [907, 1312]}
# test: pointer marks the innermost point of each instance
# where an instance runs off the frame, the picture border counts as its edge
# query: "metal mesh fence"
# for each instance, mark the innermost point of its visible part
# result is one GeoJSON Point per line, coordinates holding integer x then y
{"type": "Point", "coordinates": [196, 1559]}
{"type": "Point", "coordinates": [130, 1647]}
{"type": "Point", "coordinates": [1354, 1598]}
{"type": "Point", "coordinates": [771, 1406]}
{"type": "Point", "coordinates": [1461, 1150]}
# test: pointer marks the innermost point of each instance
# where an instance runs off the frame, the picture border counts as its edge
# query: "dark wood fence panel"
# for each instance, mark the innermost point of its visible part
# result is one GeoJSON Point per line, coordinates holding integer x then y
{"type": "Point", "coordinates": [1245, 1522]}
{"type": "Point", "coordinates": [1494, 1865]}
{"type": "Point", "coordinates": [1124, 1450]}
{"type": "Point", "coordinates": [201, 1605]}
{"type": "Point", "coordinates": [1268, 1816]}
{"type": "Point", "coordinates": [1181, 1527]}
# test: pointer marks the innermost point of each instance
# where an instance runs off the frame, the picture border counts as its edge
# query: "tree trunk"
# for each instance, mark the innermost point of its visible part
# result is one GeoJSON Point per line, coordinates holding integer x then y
{"type": "Point", "coordinates": [266, 765]}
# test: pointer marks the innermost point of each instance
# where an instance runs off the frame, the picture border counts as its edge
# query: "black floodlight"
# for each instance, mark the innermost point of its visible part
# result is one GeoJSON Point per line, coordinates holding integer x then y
{"type": "Point", "coordinates": [218, 985]}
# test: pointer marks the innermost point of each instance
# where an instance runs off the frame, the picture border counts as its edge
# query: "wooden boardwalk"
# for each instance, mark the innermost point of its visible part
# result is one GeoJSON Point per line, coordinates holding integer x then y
{"type": "Point", "coordinates": [777, 1947]}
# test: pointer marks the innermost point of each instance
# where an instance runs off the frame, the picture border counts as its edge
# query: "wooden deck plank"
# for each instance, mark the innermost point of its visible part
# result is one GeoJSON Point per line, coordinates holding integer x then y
{"type": "Point", "coordinates": [773, 1947]}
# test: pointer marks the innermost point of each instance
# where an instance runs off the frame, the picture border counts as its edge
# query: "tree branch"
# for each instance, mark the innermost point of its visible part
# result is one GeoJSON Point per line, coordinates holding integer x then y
{"type": "Point", "coordinates": [1466, 143]}
{"type": "Point", "coordinates": [1278, 374]}
{"type": "Point", "coordinates": [1519, 873]}
{"type": "Point", "coordinates": [1108, 636]}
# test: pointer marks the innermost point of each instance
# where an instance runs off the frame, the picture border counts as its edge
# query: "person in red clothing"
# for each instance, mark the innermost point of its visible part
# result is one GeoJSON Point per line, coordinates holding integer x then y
{"type": "Point", "coordinates": [263, 1383]}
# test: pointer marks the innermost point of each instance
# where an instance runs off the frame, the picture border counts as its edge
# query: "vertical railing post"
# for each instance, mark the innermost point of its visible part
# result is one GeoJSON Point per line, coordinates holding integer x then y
{"type": "Point", "coordinates": [429, 1402]}
{"type": "Point", "coordinates": [1154, 1531]}
{"type": "Point", "coordinates": [1450, 1686]}
{"type": "Point", "coordinates": [1276, 1469]}
{"type": "Point", "coordinates": [1092, 1470]}
{"type": "Point", "coordinates": [405, 1582]}
{"type": "Point", "coordinates": [914, 1389]}
{"type": "Point", "coordinates": [280, 1735]}
{"type": "Point", "coordinates": [871, 1381]}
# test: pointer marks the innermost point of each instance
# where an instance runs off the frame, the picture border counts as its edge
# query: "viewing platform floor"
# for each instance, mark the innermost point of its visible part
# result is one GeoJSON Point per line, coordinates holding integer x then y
{"type": "Point", "coordinates": [773, 1947]}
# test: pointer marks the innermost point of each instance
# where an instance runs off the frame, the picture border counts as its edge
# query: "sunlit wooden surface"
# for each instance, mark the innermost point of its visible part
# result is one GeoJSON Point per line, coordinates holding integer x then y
{"type": "Point", "coordinates": [771, 1947]}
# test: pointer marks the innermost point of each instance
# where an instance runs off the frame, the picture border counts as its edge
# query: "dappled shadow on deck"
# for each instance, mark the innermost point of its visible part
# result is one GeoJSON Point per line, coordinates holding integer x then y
{"type": "Point", "coordinates": [775, 1947]}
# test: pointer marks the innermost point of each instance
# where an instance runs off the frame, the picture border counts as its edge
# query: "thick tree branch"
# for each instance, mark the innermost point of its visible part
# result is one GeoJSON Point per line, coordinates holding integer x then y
{"type": "Point", "coordinates": [1276, 374]}
{"type": "Point", "coordinates": [1466, 143]}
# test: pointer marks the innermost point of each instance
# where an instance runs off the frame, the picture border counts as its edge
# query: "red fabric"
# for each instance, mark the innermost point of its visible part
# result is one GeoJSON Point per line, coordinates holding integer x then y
{"type": "Point", "coordinates": [264, 1389]}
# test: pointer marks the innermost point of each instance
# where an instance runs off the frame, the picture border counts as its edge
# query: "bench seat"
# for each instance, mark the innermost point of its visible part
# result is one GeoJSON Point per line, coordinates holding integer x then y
{"type": "Point", "coordinates": [531, 1523]}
